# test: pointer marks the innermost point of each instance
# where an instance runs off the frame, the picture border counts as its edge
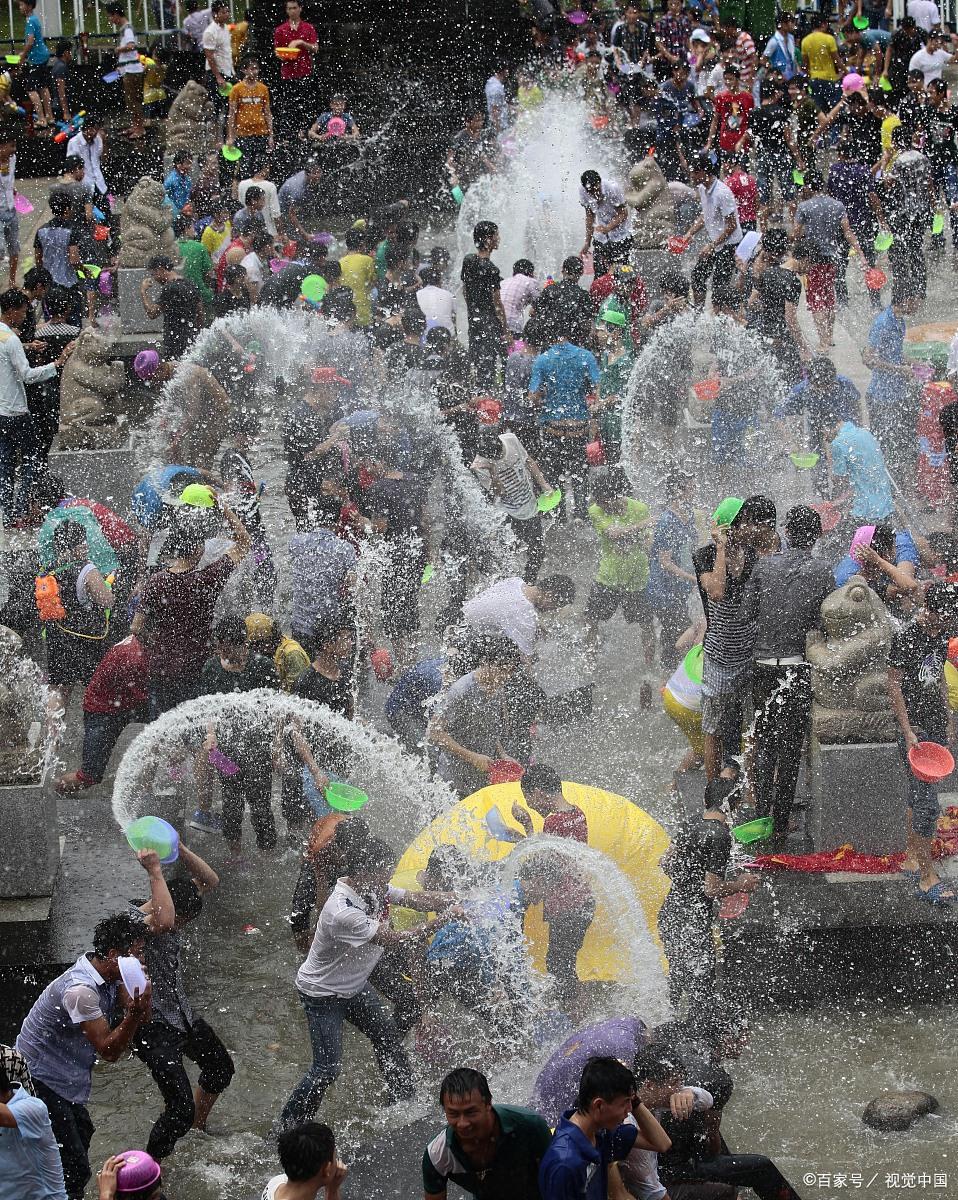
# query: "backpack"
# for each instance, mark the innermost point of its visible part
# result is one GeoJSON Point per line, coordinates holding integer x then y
{"type": "Point", "coordinates": [46, 592]}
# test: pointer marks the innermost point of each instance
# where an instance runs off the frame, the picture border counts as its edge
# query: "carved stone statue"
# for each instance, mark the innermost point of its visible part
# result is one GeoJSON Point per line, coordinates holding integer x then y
{"type": "Point", "coordinates": [91, 415]}
{"type": "Point", "coordinates": [849, 658]}
{"type": "Point", "coordinates": [191, 124]}
{"type": "Point", "coordinates": [20, 715]}
{"type": "Point", "coordinates": [147, 226]}
{"type": "Point", "coordinates": [648, 194]}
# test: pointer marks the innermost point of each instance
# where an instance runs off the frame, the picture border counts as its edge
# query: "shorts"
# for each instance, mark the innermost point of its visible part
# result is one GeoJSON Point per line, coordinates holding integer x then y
{"type": "Point", "coordinates": [10, 224]}
{"type": "Point", "coordinates": [820, 288]}
{"type": "Point", "coordinates": [723, 710]}
{"type": "Point", "coordinates": [604, 602]}
{"type": "Point", "coordinates": [36, 78]}
{"type": "Point", "coordinates": [688, 720]}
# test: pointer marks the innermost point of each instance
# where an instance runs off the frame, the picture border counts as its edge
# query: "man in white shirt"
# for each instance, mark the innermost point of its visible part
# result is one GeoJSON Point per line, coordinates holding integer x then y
{"type": "Point", "coordinates": [607, 229]}
{"type": "Point", "coordinates": [30, 1164]}
{"type": "Point", "coordinates": [130, 68]}
{"type": "Point", "coordinates": [16, 425]}
{"type": "Point", "coordinates": [307, 1154]}
{"type": "Point", "coordinates": [256, 263]}
{"type": "Point", "coordinates": [931, 58]}
{"type": "Point", "coordinates": [218, 48]}
{"type": "Point", "coordinates": [334, 984]}
{"type": "Point", "coordinates": [512, 608]}
{"type": "Point", "coordinates": [925, 14]}
{"type": "Point", "coordinates": [497, 104]}
{"type": "Point", "coordinates": [194, 25]}
{"type": "Point", "coordinates": [437, 304]}
{"type": "Point", "coordinates": [720, 219]}
{"type": "Point", "coordinates": [517, 293]}
{"type": "Point", "coordinates": [270, 211]}
{"type": "Point", "coordinates": [87, 145]}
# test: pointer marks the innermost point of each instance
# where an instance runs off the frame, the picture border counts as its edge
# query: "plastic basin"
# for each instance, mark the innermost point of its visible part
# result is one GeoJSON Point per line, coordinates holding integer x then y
{"type": "Point", "coordinates": [930, 762]}
{"type": "Point", "coordinates": [550, 501]}
{"type": "Point", "coordinates": [677, 245]}
{"type": "Point", "coordinates": [875, 279]}
{"type": "Point", "coordinates": [343, 797]}
{"type": "Point", "coordinates": [883, 242]}
{"type": "Point", "coordinates": [693, 663]}
{"type": "Point", "coordinates": [754, 831]}
{"type": "Point", "coordinates": [232, 153]}
{"type": "Point", "coordinates": [153, 833]}
{"type": "Point", "coordinates": [707, 389]}
{"type": "Point", "coordinates": [804, 462]}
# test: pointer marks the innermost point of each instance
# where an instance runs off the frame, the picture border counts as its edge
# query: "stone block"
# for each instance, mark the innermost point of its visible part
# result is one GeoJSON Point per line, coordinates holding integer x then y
{"type": "Point", "coordinates": [133, 318]}
{"type": "Point", "coordinates": [31, 849]}
{"type": "Point", "coordinates": [858, 797]}
{"type": "Point", "coordinates": [108, 475]}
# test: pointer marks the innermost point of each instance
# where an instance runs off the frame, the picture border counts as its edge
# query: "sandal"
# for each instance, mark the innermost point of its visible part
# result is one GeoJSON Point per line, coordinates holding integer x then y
{"type": "Point", "coordinates": [938, 893]}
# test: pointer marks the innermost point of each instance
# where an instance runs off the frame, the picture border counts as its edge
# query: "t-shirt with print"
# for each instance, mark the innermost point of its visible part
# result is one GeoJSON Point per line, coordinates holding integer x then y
{"type": "Point", "coordinates": [249, 104]}
{"type": "Point", "coordinates": [921, 658]}
{"type": "Point", "coordinates": [733, 111]}
{"type": "Point", "coordinates": [508, 480]}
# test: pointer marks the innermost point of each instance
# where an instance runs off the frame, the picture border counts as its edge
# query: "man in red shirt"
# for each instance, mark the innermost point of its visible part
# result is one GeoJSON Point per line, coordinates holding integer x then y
{"type": "Point", "coordinates": [730, 116]}
{"type": "Point", "coordinates": [744, 187]}
{"type": "Point", "coordinates": [297, 102]}
{"type": "Point", "coordinates": [115, 695]}
{"type": "Point", "coordinates": [568, 904]}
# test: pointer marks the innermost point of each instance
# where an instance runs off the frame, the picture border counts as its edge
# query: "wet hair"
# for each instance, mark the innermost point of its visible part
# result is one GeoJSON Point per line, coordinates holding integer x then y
{"type": "Point", "coordinates": [438, 338]}
{"type": "Point", "coordinates": [234, 273]}
{"type": "Point", "coordinates": [822, 370]}
{"type": "Point", "coordinates": [603, 1079]}
{"type": "Point", "coordinates": [372, 857]}
{"type": "Point", "coordinates": [261, 240]}
{"type": "Point", "coordinates": [305, 1150]}
{"type": "Point", "coordinates": [673, 283]}
{"type": "Point", "coordinates": [159, 262]}
{"type": "Point", "coordinates": [445, 866]}
{"type": "Point", "coordinates": [572, 266]}
{"type": "Point", "coordinates": [354, 238]}
{"type": "Point", "coordinates": [941, 598]}
{"type": "Point", "coordinates": [483, 233]}
{"type": "Point", "coordinates": [37, 277]}
{"type": "Point", "coordinates": [610, 485]}
{"type": "Point", "coordinates": [883, 539]}
{"type": "Point", "coordinates": [497, 651]}
{"type": "Point", "coordinates": [775, 242]}
{"type": "Point", "coordinates": [13, 298]}
{"type": "Point", "coordinates": [67, 536]}
{"type": "Point", "coordinates": [462, 1081]}
{"type": "Point", "coordinates": [559, 587]}
{"type": "Point", "coordinates": [676, 483]}
{"type": "Point", "coordinates": [430, 277]}
{"type": "Point", "coordinates": [803, 527]}
{"type": "Point", "coordinates": [340, 306]}
{"type": "Point", "coordinates": [186, 897]}
{"type": "Point", "coordinates": [230, 631]}
{"type": "Point", "coordinates": [652, 1066]}
{"type": "Point", "coordinates": [254, 192]}
{"type": "Point", "coordinates": [523, 266]}
{"type": "Point", "coordinates": [58, 301]}
{"type": "Point", "coordinates": [395, 256]}
{"type": "Point", "coordinates": [540, 777]}
{"type": "Point", "coordinates": [702, 162]}
{"type": "Point", "coordinates": [757, 510]}
{"type": "Point", "coordinates": [717, 791]}
{"type": "Point", "coordinates": [413, 320]}
{"type": "Point", "coordinates": [119, 932]}
{"type": "Point", "coordinates": [590, 179]}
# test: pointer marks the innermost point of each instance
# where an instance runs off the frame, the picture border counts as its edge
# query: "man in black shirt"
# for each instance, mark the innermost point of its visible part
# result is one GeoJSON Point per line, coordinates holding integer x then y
{"type": "Point", "coordinates": [941, 149]}
{"type": "Point", "coordinates": [776, 292]}
{"type": "Point", "coordinates": [919, 700]}
{"type": "Point", "coordinates": [487, 319]}
{"type": "Point", "coordinates": [696, 863]}
{"type": "Point", "coordinates": [776, 154]}
{"type": "Point", "coordinates": [563, 310]}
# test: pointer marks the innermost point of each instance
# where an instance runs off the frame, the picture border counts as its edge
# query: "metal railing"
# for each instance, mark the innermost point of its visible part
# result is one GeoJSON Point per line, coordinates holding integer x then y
{"type": "Point", "coordinates": [153, 18]}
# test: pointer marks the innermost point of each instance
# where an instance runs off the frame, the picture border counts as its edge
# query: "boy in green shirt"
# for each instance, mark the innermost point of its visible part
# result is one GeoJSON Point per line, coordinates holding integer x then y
{"type": "Point", "coordinates": [623, 525]}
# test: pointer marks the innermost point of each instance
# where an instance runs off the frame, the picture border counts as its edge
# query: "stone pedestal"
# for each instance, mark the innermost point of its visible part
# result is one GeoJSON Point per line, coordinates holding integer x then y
{"type": "Point", "coordinates": [30, 851]}
{"type": "Point", "coordinates": [109, 475]}
{"type": "Point", "coordinates": [858, 797]}
{"type": "Point", "coordinates": [133, 318]}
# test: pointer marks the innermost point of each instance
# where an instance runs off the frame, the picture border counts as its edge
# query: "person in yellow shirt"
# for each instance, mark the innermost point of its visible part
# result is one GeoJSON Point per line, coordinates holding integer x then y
{"type": "Point", "coordinates": [219, 233]}
{"type": "Point", "coordinates": [250, 123]}
{"type": "Point", "coordinates": [359, 275]}
{"type": "Point", "coordinates": [239, 32]}
{"type": "Point", "coordinates": [820, 55]}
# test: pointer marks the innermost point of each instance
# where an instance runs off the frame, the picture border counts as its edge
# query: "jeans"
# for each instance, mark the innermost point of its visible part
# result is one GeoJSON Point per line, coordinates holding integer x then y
{"type": "Point", "coordinates": [16, 442]}
{"type": "Point", "coordinates": [923, 797]}
{"type": "Point", "coordinates": [767, 170]}
{"type": "Point", "coordinates": [486, 350]}
{"type": "Point", "coordinates": [686, 933]}
{"type": "Point", "coordinates": [163, 1048]}
{"type": "Point", "coordinates": [565, 456]}
{"type": "Point", "coordinates": [101, 732]}
{"type": "Point", "coordinates": [324, 1017]}
{"type": "Point", "coordinates": [783, 707]}
{"type": "Point", "coordinates": [73, 1130]}
{"type": "Point", "coordinates": [255, 150]}
{"type": "Point", "coordinates": [251, 785]}
{"type": "Point", "coordinates": [720, 265]}
{"type": "Point", "coordinates": [529, 532]}
{"type": "Point", "coordinates": [826, 93]}
{"type": "Point", "coordinates": [753, 1171]}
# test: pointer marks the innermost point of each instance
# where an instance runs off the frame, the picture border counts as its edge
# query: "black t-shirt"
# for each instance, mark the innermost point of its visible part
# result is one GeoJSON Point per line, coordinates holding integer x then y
{"type": "Point", "coordinates": [480, 285]}
{"type": "Point", "coordinates": [913, 112]}
{"type": "Point", "coordinates": [940, 145]}
{"type": "Point", "coordinates": [767, 125]}
{"type": "Point", "coordinates": [563, 310]}
{"type": "Point", "coordinates": [258, 673]}
{"type": "Point", "coordinates": [334, 693]}
{"type": "Point", "coordinates": [700, 846]}
{"type": "Point", "coordinates": [864, 132]}
{"type": "Point", "coordinates": [777, 287]}
{"type": "Point", "coordinates": [921, 658]}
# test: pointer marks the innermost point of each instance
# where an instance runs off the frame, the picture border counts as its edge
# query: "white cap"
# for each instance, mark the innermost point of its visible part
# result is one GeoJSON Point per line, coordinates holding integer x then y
{"type": "Point", "coordinates": [699, 35]}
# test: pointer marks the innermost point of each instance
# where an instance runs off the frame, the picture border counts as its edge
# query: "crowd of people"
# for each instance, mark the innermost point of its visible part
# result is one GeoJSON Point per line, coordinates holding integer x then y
{"type": "Point", "coordinates": [418, 384]}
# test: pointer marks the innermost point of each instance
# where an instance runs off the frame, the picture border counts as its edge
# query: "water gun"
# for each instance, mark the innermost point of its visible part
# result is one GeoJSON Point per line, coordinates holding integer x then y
{"type": "Point", "coordinates": [69, 128]}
